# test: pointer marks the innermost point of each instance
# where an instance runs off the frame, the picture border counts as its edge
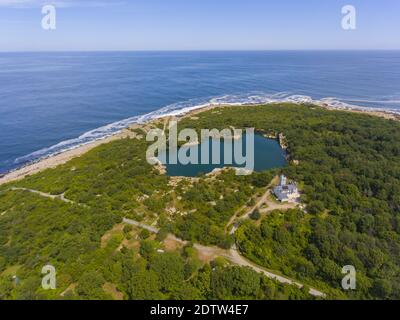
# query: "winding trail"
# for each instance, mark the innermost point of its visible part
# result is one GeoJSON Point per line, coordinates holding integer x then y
{"type": "Point", "coordinates": [48, 195]}
{"type": "Point", "coordinates": [235, 257]}
{"type": "Point", "coordinates": [232, 254]}
{"type": "Point", "coordinates": [258, 204]}
{"type": "Point", "coordinates": [140, 225]}
{"type": "Point", "coordinates": [271, 206]}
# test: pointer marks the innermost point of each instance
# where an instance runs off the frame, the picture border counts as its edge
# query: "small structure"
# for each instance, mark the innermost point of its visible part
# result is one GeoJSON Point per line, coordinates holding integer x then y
{"type": "Point", "coordinates": [286, 192]}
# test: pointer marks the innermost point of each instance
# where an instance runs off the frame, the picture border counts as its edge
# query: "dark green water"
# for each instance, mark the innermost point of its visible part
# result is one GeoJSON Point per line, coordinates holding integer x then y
{"type": "Point", "coordinates": [267, 155]}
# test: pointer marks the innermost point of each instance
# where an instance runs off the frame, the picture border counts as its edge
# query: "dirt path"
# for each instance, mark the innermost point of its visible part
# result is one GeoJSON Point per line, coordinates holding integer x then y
{"type": "Point", "coordinates": [258, 204]}
{"type": "Point", "coordinates": [260, 201]}
{"type": "Point", "coordinates": [236, 258]}
{"type": "Point", "coordinates": [44, 194]}
{"type": "Point", "coordinates": [233, 254]}
{"type": "Point", "coordinates": [278, 206]}
{"type": "Point", "coordinates": [140, 225]}
{"type": "Point", "coordinates": [48, 195]}
{"type": "Point", "coordinates": [271, 206]}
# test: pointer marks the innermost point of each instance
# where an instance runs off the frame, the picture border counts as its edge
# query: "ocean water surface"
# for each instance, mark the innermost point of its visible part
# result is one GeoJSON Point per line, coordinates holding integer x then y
{"type": "Point", "coordinates": [50, 102]}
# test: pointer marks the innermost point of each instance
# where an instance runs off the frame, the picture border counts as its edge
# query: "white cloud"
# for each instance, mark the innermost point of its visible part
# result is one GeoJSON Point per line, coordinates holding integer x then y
{"type": "Point", "coordinates": [16, 3]}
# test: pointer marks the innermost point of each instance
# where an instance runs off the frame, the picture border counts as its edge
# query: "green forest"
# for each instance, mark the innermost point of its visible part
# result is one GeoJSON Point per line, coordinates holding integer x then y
{"type": "Point", "coordinates": [348, 167]}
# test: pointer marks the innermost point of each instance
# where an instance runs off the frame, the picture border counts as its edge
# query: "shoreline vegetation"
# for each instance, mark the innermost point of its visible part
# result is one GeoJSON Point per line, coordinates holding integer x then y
{"type": "Point", "coordinates": [63, 157]}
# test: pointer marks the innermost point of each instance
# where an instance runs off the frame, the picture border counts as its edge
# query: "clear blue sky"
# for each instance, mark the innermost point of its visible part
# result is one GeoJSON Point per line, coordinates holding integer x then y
{"type": "Point", "coordinates": [199, 25]}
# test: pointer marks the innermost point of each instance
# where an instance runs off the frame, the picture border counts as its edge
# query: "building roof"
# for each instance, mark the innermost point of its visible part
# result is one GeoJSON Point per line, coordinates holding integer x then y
{"type": "Point", "coordinates": [283, 192]}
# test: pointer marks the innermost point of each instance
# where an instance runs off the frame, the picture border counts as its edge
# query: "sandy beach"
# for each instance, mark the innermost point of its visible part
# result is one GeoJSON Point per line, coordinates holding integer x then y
{"type": "Point", "coordinates": [376, 113]}
{"type": "Point", "coordinates": [64, 157]}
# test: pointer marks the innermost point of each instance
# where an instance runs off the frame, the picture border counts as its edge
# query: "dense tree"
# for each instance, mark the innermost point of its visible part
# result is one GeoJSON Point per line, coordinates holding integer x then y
{"type": "Point", "coordinates": [235, 282]}
{"type": "Point", "coordinates": [144, 285]}
{"type": "Point", "coordinates": [255, 215]}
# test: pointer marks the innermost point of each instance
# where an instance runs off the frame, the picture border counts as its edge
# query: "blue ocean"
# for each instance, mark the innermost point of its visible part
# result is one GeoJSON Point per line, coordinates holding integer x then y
{"type": "Point", "coordinates": [50, 102]}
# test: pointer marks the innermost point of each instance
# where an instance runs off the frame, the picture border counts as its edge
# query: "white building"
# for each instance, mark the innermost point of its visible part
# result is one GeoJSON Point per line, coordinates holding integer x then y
{"type": "Point", "coordinates": [286, 192]}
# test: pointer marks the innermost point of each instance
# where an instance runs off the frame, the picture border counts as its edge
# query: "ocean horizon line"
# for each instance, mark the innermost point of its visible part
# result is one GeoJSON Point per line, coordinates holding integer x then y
{"type": "Point", "coordinates": [108, 89]}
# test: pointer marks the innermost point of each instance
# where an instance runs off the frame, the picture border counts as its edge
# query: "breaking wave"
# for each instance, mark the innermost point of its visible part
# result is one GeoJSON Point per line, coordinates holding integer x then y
{"type": "Point", "coordinates": [181, 108]}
